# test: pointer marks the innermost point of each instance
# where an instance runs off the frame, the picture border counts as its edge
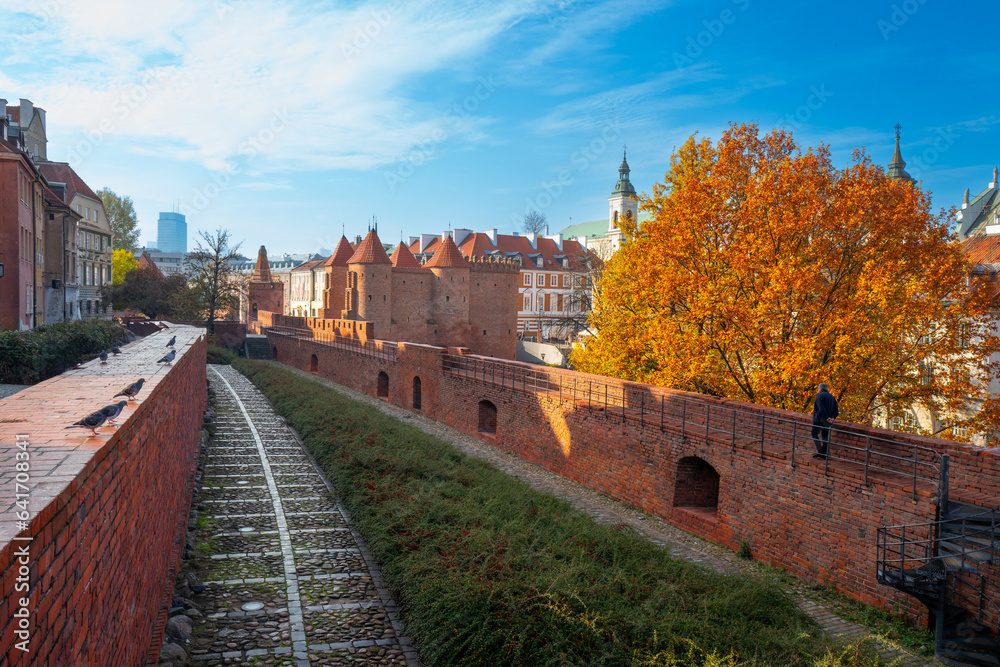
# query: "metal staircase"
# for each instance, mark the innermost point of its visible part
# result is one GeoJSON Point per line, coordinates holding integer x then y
{"type": "Point", "coordinates": [939, 564]}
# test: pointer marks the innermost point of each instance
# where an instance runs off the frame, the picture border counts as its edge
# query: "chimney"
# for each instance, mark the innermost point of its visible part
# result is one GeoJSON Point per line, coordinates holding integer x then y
{"type": "Point", "coordinates": [994, 183]}
{"type": "Point", "coordinates": [460, 235]}
{"type": "Point", "coordinates": [4, 120]}
{"type": "Point", "coordinates": [965, 202]}
{"type": "Point", "coordinates": [426, 240]}
{"type": "Point", "coordinates": [27, 108]}
{"type": "Point", "coordinates": [491, 234]}
{"type": "Point", "coordinates": [413, 239]}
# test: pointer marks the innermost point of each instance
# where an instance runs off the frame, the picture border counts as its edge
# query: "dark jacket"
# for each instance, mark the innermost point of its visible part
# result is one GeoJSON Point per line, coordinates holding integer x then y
{"type": "Point", "coordinates": [825, 408]}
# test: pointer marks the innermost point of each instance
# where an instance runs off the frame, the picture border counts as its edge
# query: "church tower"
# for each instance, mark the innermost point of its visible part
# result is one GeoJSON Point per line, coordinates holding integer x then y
{"type": "Point", "coordinates": [897, 168]}
{"type": "Point", "coordinates": [623, 205]}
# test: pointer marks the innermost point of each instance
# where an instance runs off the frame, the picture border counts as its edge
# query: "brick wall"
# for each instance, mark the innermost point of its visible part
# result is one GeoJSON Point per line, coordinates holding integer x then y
{"type": "Point", "coordinates": [660, 450]}
{"type": "Point", "coordinates": [106, 514]}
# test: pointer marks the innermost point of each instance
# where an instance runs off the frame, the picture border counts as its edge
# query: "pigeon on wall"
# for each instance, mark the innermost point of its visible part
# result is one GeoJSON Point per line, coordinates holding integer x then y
{"type": "Point", "coordinates": [115, 350]}
{"type": "Point", "coordinates": [168, 358]}
{"type": "Point", "coordinates": [104, 356]}
{"type": "Point", "coordinates": [91, 421]}
{"type": "Point", "coordinates": [172, 341]}
{"type": "Point", "coordinates": [112, 411]}
{"type": "Point", "coordinates": [131, 390]}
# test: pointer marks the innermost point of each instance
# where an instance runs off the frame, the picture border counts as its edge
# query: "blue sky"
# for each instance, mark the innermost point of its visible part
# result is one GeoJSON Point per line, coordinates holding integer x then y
{"type": "Point", "coordinates": [286, 122]}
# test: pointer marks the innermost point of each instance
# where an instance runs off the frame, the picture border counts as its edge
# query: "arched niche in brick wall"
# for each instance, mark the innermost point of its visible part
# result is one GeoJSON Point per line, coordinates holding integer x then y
{"type": "Point", "coordinates": [274, 353]}
{"type": "Point", "coordinates": [417, 398]}
{"type": "Point", "coordinates": [487, 417]}
{"type": "Point", "coordinates": [382, 386]}
{"type": "Point", "coordinates": [697, 484]}
{"type": "Point", "coordinates": [314, 364]}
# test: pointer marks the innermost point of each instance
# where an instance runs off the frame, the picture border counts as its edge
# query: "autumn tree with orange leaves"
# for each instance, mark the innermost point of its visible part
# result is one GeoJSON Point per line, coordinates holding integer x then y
{"type": "Point", "coordinates": [765, 271]}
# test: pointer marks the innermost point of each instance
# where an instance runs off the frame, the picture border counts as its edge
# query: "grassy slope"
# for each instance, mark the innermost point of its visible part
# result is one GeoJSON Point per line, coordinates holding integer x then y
{"type": "Point", "coordinates": [491, 572]}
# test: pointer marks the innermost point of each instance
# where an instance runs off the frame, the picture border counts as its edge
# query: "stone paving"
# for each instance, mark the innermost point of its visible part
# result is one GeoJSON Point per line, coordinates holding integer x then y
{"type": "Point", "coordinates": [607, 510]}
{"type": "Point", "coordinates": [287, 580]}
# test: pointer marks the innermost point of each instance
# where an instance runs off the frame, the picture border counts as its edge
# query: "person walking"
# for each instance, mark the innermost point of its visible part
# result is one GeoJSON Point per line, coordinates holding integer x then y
{"type": "Point", "coordinates": [825, 410]}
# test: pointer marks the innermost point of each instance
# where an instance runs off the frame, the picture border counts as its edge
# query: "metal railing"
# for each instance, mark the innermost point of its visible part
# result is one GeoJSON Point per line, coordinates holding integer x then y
{"type": "Point", "coordinates": [380, 350]}
{"type": "Point", "coordinates": [915, 558]}
{"type": "Point", "coordinates": [649, 407]}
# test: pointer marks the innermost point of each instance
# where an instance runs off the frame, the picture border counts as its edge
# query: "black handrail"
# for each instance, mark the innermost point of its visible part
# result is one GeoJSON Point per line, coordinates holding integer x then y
{"type": "Point", "coordinates": [381, 350]}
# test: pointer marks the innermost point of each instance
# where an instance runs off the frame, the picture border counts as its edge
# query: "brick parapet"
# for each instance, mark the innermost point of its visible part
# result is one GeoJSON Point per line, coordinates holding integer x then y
{"type": "Point", "coordinates": [819, 521]}
{"type": "Point", "coordinates": [106, 514]}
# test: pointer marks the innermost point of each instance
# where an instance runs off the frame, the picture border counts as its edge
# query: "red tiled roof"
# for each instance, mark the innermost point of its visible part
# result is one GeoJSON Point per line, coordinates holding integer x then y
{"type": "Point", "coordinates": [402, 258]}
{"type": "Point", "coordinates": [982, 249]}
{"type": "Point", "coordinates": [479, 244]}
{"type": "Point", "coordinates": [341, 255]}
{"type": "Point", "coordinates": [52, 199]}
{"type": "Point", "coordinates": [370, 251]}
{"type": "Point", "coordinates": [60, 172]}
{"type": "Point", "coordinates": [308, 266]}
{"type": "Point", "coordinates": [146, 262]}
{"type": "Point", "coordinates": [15, 114]}
{"type": "Point", "coordinates": [448, 256]}
{"type": "Point", "coordinates": [262, 269]}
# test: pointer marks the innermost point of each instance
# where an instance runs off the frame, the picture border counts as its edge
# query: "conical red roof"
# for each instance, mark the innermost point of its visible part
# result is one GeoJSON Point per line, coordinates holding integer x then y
{"type": "Point", "coordinates": [262, 271]}
{"type": "Point", "coordinates": [448, 256]}
{"type": "Point", "coordinates": [341, 255]}
{"type": "Point", "coordinates": [402, 258]}
{"type": "Point", "coordinates": [370, 251]}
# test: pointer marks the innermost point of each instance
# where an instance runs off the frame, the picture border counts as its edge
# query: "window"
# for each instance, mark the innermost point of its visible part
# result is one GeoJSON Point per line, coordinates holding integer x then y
{"type": "Point", "coordinates": [548, 302]}
{"type": "Point", "coordinates": [527, 279]}
{"type": "Point", "coordinates": [382, 385]}
{"type": "Point", "coordinates": [416, 393]}
{"type": "Point", "coordinates": [527, 302]}
{"type": "Point", "coordinates": [926, 375]}
{"type": "Point", "coordinates": [541, 280]}
{"type": "Point", "coordinates": [559, 302]}
{"type": "Point", "coordinates": [964, 335]}
{"type": "Point", "coordinates": [541, 302]}
{"type": "Point", "coordinates": [907, 422]}
{"type": "Point", "coordinates": [566, 279]}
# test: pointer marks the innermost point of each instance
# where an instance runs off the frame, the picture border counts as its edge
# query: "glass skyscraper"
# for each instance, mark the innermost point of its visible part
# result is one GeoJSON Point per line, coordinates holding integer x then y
{"type": "Point", "coordinates": [172, 233]}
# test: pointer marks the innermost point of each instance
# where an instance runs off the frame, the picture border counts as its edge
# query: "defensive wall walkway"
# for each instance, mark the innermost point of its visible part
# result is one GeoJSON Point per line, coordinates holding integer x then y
{"type": "Point", "coordinates": [92, 527]}
{"type": "Point", "coordinates": [723, 470]}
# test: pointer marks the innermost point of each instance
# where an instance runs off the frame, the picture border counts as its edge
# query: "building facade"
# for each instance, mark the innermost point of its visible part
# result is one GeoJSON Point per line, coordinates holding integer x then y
{"type": "Point", "coordinates": [445, 301]}
{"type": "Point", "coordinates": [171, 233]}
{"type": "Point", "coordinates": [555, 276]}
{"type": "Point", "coordinates": [60, 276]}
{"type": "Point", "coordinates": [94, 242]}
{"type": "Point", "coordinates": [22, 240]}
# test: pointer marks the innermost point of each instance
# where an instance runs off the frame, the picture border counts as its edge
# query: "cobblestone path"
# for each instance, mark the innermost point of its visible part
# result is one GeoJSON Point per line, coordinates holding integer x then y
{"type": "Point", "coordinates": [606, 510]}
{"type": "Point", "coordinates": [288, 581]}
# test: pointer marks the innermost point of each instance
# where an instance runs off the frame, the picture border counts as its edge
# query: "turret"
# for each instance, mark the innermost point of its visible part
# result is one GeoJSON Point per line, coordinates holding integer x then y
{"type": "Point", "coordinates": [450, 292]}
{"type": "Point", "coordinates": [368, 295]}
{"type": "Point", "coordinates": [897, 166]}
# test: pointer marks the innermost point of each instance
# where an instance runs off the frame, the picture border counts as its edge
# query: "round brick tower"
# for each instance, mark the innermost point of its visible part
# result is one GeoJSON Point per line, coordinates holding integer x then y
{"type": "Point", "coordinates": [450, 295]}
{"type": "Point", "coordinates": [371, 294]}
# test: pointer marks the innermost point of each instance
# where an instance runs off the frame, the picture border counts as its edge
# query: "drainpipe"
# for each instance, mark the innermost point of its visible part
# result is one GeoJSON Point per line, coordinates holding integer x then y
{"type": "Point", "coordinates": [34, 248]}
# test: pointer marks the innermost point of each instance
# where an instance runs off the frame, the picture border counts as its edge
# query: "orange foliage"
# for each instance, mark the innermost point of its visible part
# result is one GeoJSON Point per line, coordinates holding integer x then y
{"type": "Point", "coordinates": [765, 270]}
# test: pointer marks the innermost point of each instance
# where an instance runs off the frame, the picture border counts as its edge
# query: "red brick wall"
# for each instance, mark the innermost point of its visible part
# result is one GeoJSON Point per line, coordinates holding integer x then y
{"type": "Point", "coordinates": [107, 514]}
{"type": "Point", "coordinates": [411, 301]}
{"type": "Point", "coordinates": [449, 306]}
{"type": "Point", "coordinates": [268, 297]}
{"type": "Point", "coordinates": [494, 299]}
{"type": "Point", "coordinates": [820, 524]}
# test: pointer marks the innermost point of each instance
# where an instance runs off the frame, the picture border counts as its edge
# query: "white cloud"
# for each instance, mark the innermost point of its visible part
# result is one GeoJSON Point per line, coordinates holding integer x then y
{"type": "Point", "coordinates": [255, 83]}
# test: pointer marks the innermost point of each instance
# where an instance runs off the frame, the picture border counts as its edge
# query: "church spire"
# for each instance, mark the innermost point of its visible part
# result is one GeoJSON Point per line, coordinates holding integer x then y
{"type": "Point", "coordinates": [623, 187]}
{"type": "Point", "coordinates": [897, 168]}
{"type": "Point", "coordinates": [262, 270]}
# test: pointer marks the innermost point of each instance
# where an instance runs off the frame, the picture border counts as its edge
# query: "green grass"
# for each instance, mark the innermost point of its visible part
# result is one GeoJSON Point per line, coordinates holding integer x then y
{"type": "Point", "coordinates": [491, 572]}
{"type": "Point", "coordinates": [220, 355]}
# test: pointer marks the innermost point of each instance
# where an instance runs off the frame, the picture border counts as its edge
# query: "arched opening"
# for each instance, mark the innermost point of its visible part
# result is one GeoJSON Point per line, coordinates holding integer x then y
{"type": "Point", "coordinates": [382, 390]}
{"type": "Point", "coordinates": [416, 393]}
{"type": "Point", "coordinates": [697, 486]}
{"type": "Point", "coordinates": [487, 417]}
{"type": "Point", "coordinates": [314, 364]}
{"type": "Point", "coordinates": [274, 353]}
{"type": "Point", "coordinates": [255, 310]}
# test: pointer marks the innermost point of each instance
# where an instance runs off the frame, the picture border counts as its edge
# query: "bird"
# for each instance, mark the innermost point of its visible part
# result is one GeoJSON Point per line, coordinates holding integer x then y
{"type": "Point", "coordinates": [169, 357]}
{"type": "Point", "coordinates": [104, 356]}
{"type": "Point", "coordinates": [172, 340]}
{"type": "Point", "coordinates": [131, 390]}
{"type": "Point", "coordinates": [115, 350]}
{"type": "Point", "coordinates": [112, 411]}
{"type": "Point", "coordinates": [91, 421]}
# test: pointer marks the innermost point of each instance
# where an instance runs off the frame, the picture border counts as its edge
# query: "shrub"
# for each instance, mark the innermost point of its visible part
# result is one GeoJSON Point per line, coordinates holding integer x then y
{"type": "Point", "coordinates": [220, 355]}
{"type": "Point", "coordinates": [27, 357]}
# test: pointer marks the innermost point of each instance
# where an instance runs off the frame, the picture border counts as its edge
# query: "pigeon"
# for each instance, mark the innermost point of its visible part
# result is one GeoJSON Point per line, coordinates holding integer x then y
{"type": "Point", "coordinates": [115, 350]}
{"type": "Point", "coordinates": [131, 390]}
{"type": "Point", "coordinates": [91, 421]}
{"type": "Point", "coordinates": [112, 411]}
{"type": "Point", "coordinates": [172, 340]}
{"type": "Point", "coordinates": [104, 356]}
{"type": "Point", "coordinates": [169, 357]}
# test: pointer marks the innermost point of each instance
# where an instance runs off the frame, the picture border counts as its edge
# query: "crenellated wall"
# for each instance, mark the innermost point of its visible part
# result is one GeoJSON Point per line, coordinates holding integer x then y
{"type": "Point", "coordinates": [88, 576]}
{"type": "Point", "coordinates": [649, 446]}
